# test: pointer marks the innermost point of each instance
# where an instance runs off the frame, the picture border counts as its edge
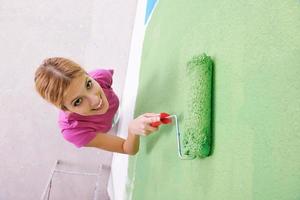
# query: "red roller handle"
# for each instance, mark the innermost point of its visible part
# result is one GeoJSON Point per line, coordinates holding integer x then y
{"type": "Point", "coordinates": [163, 120]}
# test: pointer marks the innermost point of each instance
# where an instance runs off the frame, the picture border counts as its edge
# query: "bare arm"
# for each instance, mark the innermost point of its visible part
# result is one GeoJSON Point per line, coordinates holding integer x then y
{"type": "Point", "coordinates": [139, 126]}
{"type": "Point", "coordinates": [116, 144]}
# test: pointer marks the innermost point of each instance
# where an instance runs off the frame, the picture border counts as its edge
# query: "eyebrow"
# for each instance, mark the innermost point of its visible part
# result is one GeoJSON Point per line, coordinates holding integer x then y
{"type": "Point", "coordinates": [78, 96]}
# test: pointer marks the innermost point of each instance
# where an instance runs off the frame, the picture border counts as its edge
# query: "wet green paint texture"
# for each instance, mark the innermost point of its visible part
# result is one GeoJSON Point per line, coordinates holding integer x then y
{"type": "Point", "coordinates": [255, 46]}
{"type": "Point", "coordinates": [196, 124]}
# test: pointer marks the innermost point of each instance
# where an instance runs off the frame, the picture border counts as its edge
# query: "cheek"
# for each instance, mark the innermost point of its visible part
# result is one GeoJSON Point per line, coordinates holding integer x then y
{"type": "Point", "coordinates": [82, 109]}
{"type": "Point", "coordinates": [97, 87]}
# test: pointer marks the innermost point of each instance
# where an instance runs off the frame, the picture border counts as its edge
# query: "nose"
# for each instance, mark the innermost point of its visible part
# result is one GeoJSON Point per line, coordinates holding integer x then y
{"type": "Point", "coordinates": [94, 100]}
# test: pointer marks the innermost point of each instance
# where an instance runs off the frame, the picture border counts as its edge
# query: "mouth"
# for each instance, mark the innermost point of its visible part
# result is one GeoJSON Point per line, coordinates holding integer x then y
{"type": "Point", "coordinates": [100, 105]}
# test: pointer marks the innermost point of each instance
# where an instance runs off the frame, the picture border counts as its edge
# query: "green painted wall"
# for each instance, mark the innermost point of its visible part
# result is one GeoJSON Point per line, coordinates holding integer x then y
{"type": "Point", "coordinates": [255, 46]}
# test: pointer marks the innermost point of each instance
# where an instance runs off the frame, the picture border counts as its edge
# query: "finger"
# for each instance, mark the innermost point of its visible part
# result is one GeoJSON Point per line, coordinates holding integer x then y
{"type": "Point", "coordinates": [151, 115]}
{"type": "Point", "coordinates": [151, 128]}
{"type": "Point", "coordinates": [142, 133]}
{"type": "Point", "coordinates": [152, 119]}
{"type": "Point", "coordinates": [146, 133]}
{"type": "Point", "coordinates": [155, 124]}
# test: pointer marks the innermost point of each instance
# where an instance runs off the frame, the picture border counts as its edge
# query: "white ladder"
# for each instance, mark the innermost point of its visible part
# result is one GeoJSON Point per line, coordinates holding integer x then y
{"type": "Point", "coordinates": [47, 190]}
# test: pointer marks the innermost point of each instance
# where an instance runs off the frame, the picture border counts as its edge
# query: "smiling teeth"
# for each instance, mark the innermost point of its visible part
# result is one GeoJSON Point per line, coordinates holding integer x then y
{"type": "Point", "coordinates": [99, 105]}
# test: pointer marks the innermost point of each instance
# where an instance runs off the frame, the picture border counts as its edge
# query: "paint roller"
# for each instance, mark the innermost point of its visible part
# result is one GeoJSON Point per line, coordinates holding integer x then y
{"type": "Point", "coordinates": [194, 139]}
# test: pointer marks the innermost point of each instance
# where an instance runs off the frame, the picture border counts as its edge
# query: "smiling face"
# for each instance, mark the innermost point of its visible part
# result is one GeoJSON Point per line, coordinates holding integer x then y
{"type": "Point", "coordinates": [85, 96]}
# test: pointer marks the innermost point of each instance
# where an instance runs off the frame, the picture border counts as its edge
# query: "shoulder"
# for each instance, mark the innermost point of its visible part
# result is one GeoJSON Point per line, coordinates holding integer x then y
{"type": "Point", "coordinates": [79, 136]}
{"type": "Point", "coordinates": [75, 131]}
{"type": "Point", "coordinates": [103, 76]}
{"type": "Point", "coordinates": [101, 72]}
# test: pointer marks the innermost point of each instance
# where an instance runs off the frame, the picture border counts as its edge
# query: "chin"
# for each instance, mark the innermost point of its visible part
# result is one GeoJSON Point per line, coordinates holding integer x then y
{"type": "Point", "coordinates": [100, 112]}
{"type": "Point", "coordinates": [93, 112]}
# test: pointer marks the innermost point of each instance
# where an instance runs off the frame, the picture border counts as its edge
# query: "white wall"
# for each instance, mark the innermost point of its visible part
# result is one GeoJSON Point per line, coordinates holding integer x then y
{"type": "Point", "coordinates": [93, 33]}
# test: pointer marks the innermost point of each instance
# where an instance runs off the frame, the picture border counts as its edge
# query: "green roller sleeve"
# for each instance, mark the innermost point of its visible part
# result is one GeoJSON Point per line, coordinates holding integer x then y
{"type": "Point", "coordinates": [196, 131]}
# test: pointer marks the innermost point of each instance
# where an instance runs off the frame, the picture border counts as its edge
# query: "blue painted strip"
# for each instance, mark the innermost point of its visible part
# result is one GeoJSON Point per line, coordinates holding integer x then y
{"type": "Point", "coordinates": [149, 9]}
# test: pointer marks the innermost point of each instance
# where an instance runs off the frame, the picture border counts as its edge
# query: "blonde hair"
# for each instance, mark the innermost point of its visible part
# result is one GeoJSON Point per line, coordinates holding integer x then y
{"type": "Point", "coordinates": [54, 76]}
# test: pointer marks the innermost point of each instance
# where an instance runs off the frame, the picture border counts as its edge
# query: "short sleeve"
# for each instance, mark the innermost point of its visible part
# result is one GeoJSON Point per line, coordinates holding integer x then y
{"type": "Point", "coordinates": [79, 136]}
{"type": "Point", "coordinates": [103, 77]}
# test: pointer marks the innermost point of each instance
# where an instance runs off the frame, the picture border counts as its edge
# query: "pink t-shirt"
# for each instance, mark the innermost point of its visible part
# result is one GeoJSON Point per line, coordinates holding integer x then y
{"type": "Point", "coordinates": [79, 129]}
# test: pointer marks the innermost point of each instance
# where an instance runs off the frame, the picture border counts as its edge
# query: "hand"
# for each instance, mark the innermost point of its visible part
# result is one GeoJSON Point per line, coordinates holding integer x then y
{"type": "Point", "coordinates": [141, 125]}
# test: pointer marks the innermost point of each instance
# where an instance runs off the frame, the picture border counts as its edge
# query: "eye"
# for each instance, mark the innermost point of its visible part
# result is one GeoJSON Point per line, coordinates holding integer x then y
{"type": "Point", "coordinates": [77, 102]}
{"type": "Point", "coordinates": [89, 84]}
